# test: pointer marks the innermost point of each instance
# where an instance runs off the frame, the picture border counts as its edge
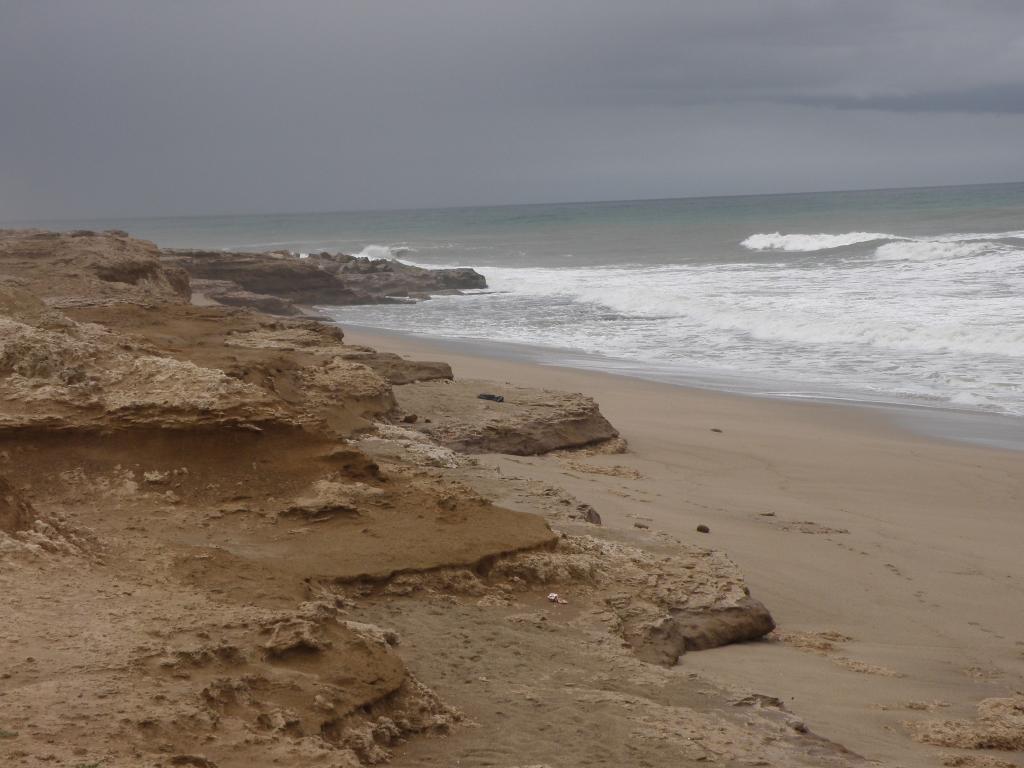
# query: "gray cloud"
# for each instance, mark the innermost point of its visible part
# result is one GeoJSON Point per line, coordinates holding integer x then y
{"type": "Point", "coordinates": [994, 99]}
{"type": "Point", "coordinates": [125, 107]}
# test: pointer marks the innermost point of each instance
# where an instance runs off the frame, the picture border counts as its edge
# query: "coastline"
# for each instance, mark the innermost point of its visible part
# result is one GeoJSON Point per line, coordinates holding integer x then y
{"type": "Point", "coordinates": [975, 427]}
{"type": "Point", "coordinates": [845, 522]}
{"type": "Point", "coordinates": [268, 539]}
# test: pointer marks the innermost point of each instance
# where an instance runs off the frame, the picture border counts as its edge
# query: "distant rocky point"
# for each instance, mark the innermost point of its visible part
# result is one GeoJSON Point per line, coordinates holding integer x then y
{"type": "Point", "coordinates": [276, 282]}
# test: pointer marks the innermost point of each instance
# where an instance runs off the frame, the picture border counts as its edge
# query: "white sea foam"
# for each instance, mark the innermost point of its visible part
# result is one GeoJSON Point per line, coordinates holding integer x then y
{"type": "Point", "coordinates": [840, 308]}
{"type": "Point", "coordinates": [776, 241]}
{"type": "Point", "coordinates": [384, 252]}
{"type": "Point", "coordinates": [807, 243]}
{"type": "Point", "coordinates": [926, 250]}
{"type": "Point", "coordinates": [962, 236]}
{"type": "Point", "coordinates": [936, 320]}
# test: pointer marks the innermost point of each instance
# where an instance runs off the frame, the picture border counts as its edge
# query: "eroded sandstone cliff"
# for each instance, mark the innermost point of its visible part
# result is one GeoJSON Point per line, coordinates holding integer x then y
{"type": "Point", "coordinates": [209, 517]}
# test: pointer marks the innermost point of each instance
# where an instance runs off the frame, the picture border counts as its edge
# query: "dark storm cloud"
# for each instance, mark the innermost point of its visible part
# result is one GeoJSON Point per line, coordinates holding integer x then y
{"type": "Point", "coordinates": [147, 107]}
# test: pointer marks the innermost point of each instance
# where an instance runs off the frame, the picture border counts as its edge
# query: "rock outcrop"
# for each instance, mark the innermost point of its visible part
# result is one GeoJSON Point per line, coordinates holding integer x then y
{"type": "Point", "coordinates": [233, 295]}
{"type": "Point", "coordinates": [89, 268]}
{"type": "Point", "coordinates": [999, 725]}
{"type": "Point", "coordinates": [398, 370]}
{"type": "Point", "coordinates": [83, 375]}
{"type": "Point", "coordinates": [199, 455]}
{"type": "Point", "coordinates": [526, 422]}
{"type": "Point", "coordinates": [16, 514]}
{"type": "Point", "coordinates": [663, 606]}
{"type": "Point", "coordinates": [331, 279]}
{"type": "Point", "coordinates": [193, 529]}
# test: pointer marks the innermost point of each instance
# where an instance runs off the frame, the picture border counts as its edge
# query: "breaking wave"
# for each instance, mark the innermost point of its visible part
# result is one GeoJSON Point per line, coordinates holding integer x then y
{"type": "Point", "coordinates": [933, 320]}
{"type": "Point", "coordinates": [929, 250]}
{"type": "Point", "coordinates": [808, 243]}
{"type": "Point", "coordinates": [384, 252]}
{"type": "Point", "coordinates": [776, 241]}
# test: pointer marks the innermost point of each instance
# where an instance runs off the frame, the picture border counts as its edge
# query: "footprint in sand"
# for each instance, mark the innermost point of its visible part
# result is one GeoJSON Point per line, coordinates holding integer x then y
{"type": "Point", "coordinates": [897, 572]}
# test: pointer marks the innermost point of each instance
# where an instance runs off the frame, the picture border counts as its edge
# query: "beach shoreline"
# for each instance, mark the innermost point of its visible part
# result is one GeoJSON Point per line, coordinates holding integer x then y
{"type": "Point", "coordinates": [942, 422]}
{"type": "Point", "coordinates": [234, 515]}
{"type": "Point", "coordinates": [898, 546]}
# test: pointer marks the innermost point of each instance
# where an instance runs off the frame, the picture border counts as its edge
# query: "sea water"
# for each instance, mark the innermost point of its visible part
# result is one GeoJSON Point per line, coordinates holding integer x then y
{"type": "Point", "coordinates": [909, 296]}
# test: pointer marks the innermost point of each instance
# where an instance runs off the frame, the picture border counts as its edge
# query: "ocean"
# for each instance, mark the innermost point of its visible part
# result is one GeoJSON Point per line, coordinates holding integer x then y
{"type": "Point", "coordinates": [907, 296]}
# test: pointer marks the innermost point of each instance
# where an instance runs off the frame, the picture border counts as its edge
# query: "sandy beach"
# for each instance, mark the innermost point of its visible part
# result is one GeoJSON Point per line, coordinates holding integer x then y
{"type": "Point", "coordinates": [513, 385]}
{"type": "Point", "coordinates": [890, 561]}
{"type": "Point", "coordinates": [233, 538]}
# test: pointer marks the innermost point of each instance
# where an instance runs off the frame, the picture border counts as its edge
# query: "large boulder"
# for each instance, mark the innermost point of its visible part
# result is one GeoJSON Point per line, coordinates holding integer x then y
{"type": "Point", "coordinates": [526, 422]}
{"type": "Point", "coordinates": [664, 605]}
{"type": "Point", "coordinates": [397, 369]}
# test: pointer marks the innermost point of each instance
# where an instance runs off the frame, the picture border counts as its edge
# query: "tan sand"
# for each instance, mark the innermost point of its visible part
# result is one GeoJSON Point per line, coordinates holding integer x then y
{"type": "Point", "coordinates": [227, 539]}
{"type": "Point", "coordinates": [223, 543]}
{"type": "Point", "coordinates": [891, 562]}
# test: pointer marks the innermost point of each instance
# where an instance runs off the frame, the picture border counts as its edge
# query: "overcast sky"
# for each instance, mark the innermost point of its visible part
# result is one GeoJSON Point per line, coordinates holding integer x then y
{"type": "Point", "coordinates": [165, 107]}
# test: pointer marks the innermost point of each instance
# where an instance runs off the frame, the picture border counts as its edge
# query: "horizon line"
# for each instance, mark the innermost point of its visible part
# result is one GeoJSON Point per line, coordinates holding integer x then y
{"type": "Point", "coordinates": [107, 217]}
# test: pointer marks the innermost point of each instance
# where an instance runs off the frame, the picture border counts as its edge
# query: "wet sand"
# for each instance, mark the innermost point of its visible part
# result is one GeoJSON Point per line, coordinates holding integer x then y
{"type": "Point", "coordinates": [846, 525]}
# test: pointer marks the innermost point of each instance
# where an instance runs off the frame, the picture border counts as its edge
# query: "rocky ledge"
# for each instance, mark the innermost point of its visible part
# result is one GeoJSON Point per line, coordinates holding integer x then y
{"type": "Point", "coordinates": [257, 279]}
{"type": "Point", "coordinates": [510, 419]}
{"type": "Point", "coordinates": [208, 516]}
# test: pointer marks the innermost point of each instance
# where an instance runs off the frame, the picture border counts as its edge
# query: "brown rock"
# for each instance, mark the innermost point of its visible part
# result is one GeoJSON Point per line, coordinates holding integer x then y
{"type": "Point", "coordinates": [664, 640]}
{"type": "Point", "coordinates": [233, 295]}
{"type": "Point", "coordinates": [90, 268]}
{"type": "Point", "coordinates": [397, 370]}
{"type": "Point", "coordinates": [82, 375]}
{"type": "Point", "coordinates": [16, 514]}
{"type": "Point", "coordinates": [588, 513]}
{"type": "Point", "coordinates": [323, 279]}
{"type": "Point", "coordinates": [528, 422]}
{"type": "Point", "coordinates": [665, 606]}
{"type": "Point", "coordinates": [999, 725]}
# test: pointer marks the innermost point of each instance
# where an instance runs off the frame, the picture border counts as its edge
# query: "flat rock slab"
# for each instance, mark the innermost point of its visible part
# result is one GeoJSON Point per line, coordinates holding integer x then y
{"type": "Point", "coordinates": [528, 422]}
{"type": "Point", "coordinates": [233, 295]}
{"type": "Point", "coordinates": [323, 278]}
{"type": "Point", "coordinates": [396, 369]}
{"type": "Point", "coordinates": [664, 605]}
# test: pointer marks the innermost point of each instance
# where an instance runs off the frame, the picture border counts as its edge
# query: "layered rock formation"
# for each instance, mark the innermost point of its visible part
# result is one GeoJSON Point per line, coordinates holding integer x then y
{"type": "Point", "coordinates": [224, 431]}
{"type": "Point", "coordinates": [999, 725]}
{"type": "Point", "coordinates": [207, 516]}
{"type": "Point", "coordinates": [398, 370]}
{"type": "Point", "coordinates": [229, 294]}
{"type": "Point", "coordinates": [251, 279]}
{"type": "Point", "coordinates": [524, 422]}
{"type": "Point", "coordinates": [693, 600]}
{"type": "Point", "coordinates": [89, 268]}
